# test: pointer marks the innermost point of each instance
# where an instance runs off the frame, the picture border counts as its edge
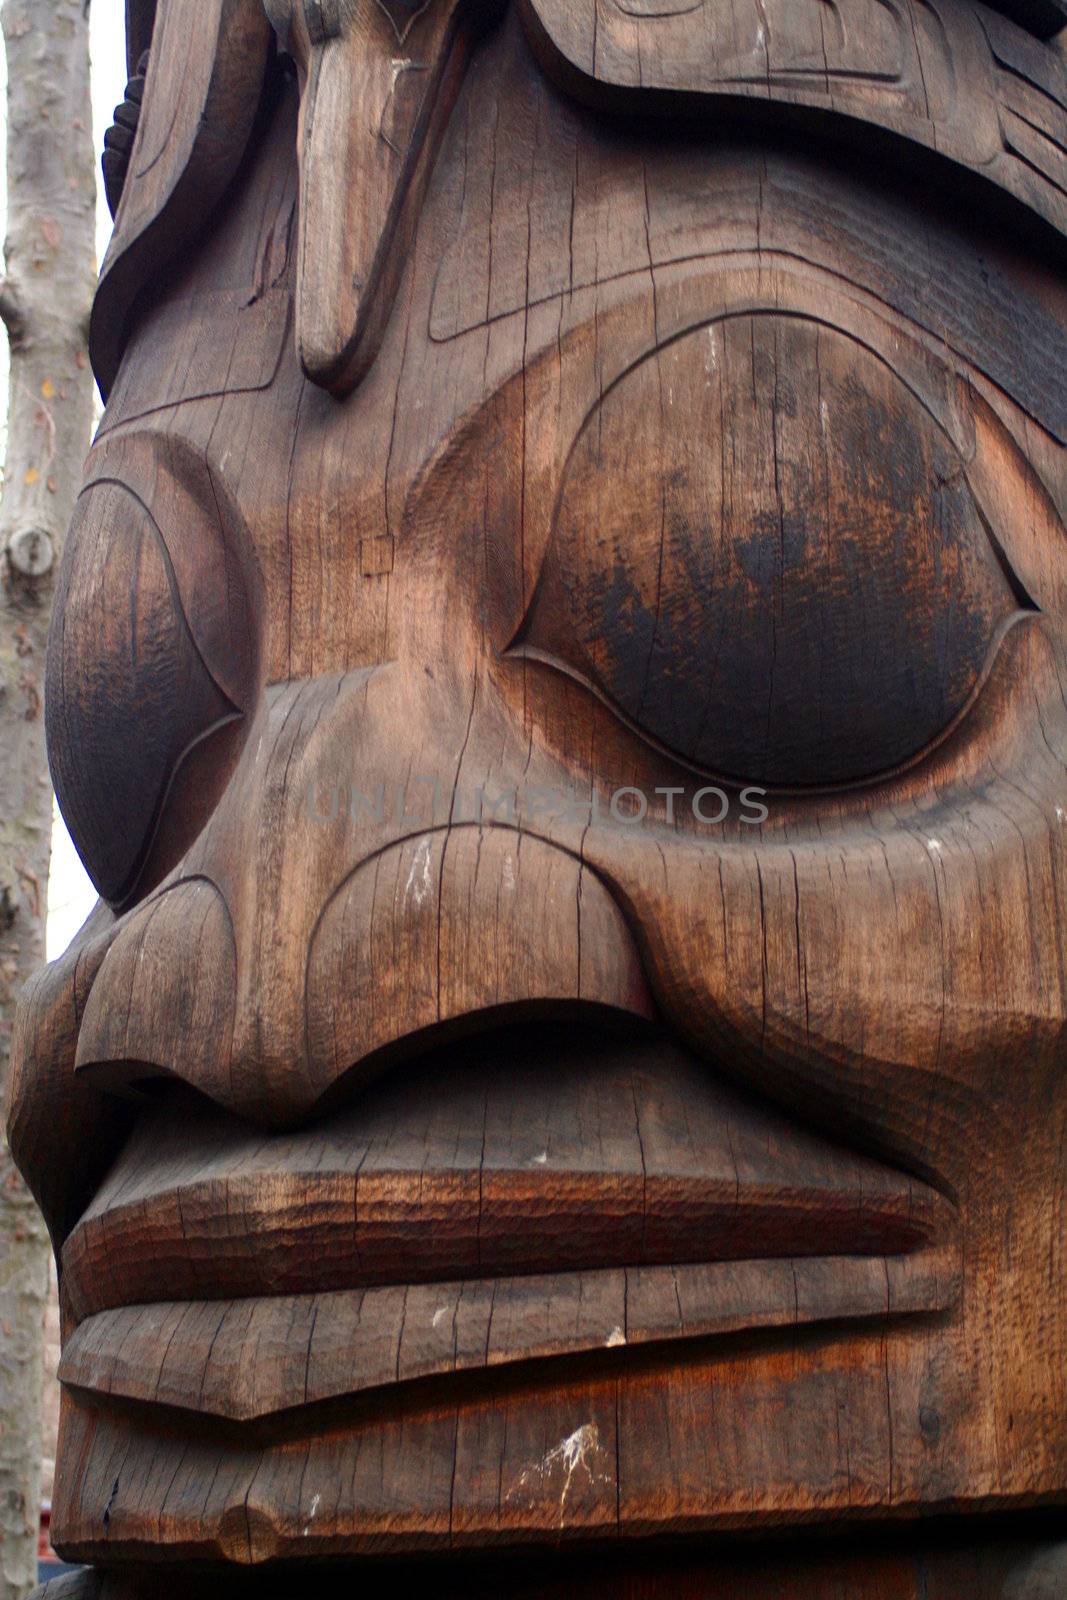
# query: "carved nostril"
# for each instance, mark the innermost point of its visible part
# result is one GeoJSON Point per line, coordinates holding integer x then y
{"type": "Point", "coordinates": [459, 928]}
{"type": "Point", "coordinates": [456, 927]}
{"type": "Point", "coordinates": [163, 1001]}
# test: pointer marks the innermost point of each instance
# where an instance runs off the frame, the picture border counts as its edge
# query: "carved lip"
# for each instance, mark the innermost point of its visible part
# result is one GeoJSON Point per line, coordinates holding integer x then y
{"type": "Point", "coordinates": [519, 1194]}
{"type": "Point", "coordinates": [246, 1361]}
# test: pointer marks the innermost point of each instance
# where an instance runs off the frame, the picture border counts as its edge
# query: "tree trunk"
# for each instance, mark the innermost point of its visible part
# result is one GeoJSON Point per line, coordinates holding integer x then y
{"type": "Point", "coordinates": [44, 302]}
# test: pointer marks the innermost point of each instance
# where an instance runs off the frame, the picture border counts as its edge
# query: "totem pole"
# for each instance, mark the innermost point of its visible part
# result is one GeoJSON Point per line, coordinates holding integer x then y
{"type": "Point", "coordinates": [559, 681]}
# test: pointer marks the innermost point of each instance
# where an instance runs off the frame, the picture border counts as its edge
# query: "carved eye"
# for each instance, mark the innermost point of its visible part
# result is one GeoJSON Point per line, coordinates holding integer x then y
{"type": "Point", "coordinates": [143, 704]}
{"type": "Point", "coordinates": [767, 556]}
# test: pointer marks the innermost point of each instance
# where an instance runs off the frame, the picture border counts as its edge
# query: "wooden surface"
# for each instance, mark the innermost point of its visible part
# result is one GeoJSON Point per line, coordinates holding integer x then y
{"type": "Point", "coordinates": [119, 138]}
{"type": "Point", "coordinates": [432, 1176]}
{"type": "Point", "coordinates": [379, 85]}
{"type": "Point", "coordinates": [140, 17]}
{"type": "Point", "coordinates": [992, 1567]}
{"type": "Point", "coordinates": [685, 1212]}
{"type": "Point", "coordinates": [559, 681]}
{"type": "Point", "coordinates": [191, 135]}
{"type": "Point", "coordinates": [949, 75]}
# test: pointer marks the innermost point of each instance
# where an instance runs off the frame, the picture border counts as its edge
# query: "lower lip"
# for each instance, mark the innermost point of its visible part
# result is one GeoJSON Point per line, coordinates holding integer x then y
{"type": "Point", "coordinates": [245, 1360]}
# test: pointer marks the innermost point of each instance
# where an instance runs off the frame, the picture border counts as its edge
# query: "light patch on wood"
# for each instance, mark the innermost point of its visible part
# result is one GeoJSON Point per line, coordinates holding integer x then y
{"type": "Point", "coordinates": [316, 1502]}
{"type": "Point", "coordinates": [577, 1452]}
{"type": "Point", "coordinates": [419, 881]}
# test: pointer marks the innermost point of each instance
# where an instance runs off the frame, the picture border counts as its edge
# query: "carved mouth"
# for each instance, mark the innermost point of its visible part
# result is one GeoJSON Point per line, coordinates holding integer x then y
{"type": "Point", "coordinates": [513, 1196]}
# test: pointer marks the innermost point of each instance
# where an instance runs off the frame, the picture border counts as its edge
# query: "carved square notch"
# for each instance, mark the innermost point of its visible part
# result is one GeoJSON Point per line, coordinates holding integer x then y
{"type": "Point", "coordinates": [376, 556]}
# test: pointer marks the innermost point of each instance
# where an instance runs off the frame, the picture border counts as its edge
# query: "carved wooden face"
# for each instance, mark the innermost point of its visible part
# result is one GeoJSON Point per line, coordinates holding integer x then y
{"type": "Point", "coordinates": [574, 1043]}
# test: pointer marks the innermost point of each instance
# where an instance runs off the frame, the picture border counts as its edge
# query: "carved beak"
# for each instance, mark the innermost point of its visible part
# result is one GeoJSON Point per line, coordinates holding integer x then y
{"type": "Point", "coordinates": [380, 78]}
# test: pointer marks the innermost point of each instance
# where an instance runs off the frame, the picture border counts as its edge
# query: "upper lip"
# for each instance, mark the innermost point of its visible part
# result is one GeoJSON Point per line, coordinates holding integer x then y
{"type": "Point", "coordinates": [485, 1169]}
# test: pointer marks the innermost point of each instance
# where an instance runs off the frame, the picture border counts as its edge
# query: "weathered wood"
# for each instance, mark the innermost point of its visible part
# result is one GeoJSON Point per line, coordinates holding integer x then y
{"type": "Point", "coordinates": [573, 1055]}
{"type": "Point", "coordinates": [945, 74]}
{"type": "Point", "coordinates": [480, 1168]}
{"type": "Point", "coordinates": [380, 82]}
{"type": "Point", "coordinates": [190, 138]}
{"type": "Point", "coordinates": [243, 1360]}
{"type": "Point", "coordinates": [118, 140]}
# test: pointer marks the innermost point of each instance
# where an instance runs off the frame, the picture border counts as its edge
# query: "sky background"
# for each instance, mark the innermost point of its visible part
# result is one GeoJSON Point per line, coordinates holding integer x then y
{"type": "Point", "coordinates": [70, 895]}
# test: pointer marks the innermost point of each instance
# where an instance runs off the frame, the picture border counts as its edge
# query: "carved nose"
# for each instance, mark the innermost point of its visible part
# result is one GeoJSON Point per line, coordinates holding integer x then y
{"type": "Point", "coordinates": [381, 79]}
{"type": "Point", "coordinates": [294, 949]}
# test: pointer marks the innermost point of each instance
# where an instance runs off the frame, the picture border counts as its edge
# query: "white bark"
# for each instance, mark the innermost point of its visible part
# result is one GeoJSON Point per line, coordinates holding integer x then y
{"type": "Point", "coordinates": [44, 302]}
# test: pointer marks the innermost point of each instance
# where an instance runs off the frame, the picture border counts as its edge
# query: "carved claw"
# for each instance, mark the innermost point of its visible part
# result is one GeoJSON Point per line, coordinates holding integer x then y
{"type": "Point", "coordinates": [118, 140]}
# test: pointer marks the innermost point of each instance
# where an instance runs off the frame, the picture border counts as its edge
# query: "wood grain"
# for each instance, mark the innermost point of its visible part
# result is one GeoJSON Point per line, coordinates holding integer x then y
{"type": "Point", "coordinates": [461, 1168]}
{"type": "Point", "coordinates": [378, 92]}
{"type": "Point", "coordinates": [571, 1062]}
{"type": "Point", "coordinates": [190, 138]}
{"type": "Point", "coordinates": [244, 1360]}
{"type": "Point", "coordinates": [941, 74]}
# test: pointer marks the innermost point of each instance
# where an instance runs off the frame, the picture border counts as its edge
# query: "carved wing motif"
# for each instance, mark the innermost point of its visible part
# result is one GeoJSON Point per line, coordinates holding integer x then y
{"type": "Point", "coordinates": [890, 64]}
{"type": "Point", "coordinates": [203, 88]}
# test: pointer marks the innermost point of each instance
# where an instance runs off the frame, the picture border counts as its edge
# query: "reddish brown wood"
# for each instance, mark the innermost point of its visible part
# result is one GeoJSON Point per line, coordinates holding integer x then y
{"type": "Point", "coordinates": [559, 680]}
{"type": "Point", "coordinates": [482, 1167]}
{"type": "Point", "coordinates": [947, 74]}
